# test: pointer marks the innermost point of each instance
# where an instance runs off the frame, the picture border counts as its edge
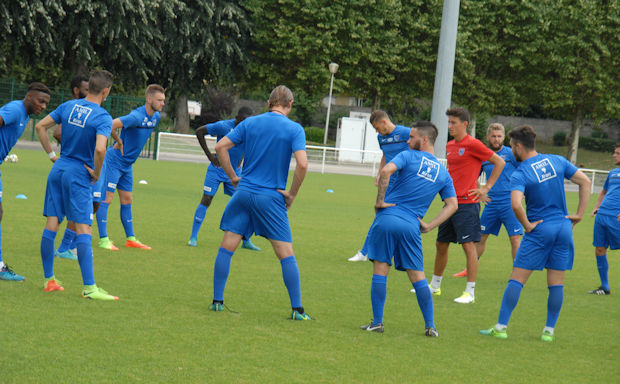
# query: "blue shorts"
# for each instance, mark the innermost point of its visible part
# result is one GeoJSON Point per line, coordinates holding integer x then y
{"type": "Point", "coordinates": [213, 179]}
{"type": "Point", "coordinates": [549, 245]}
{"type": "Point", "coordinates": [98, 188]}
{"type": "Point", "coordinates": [262, 214]}
{"type": "Point", "coordinates": [68, 193]}
{"type": "Point", "coordinates": [606, 231]}
{"type": "Point", "coordinates": [494, 215]}
{"type": "Point", "coordinates": [117, 176]}
{"type": "Point", "coordinates": [392, 236]}
{"type": "Point", "coordinates": [462, 227]}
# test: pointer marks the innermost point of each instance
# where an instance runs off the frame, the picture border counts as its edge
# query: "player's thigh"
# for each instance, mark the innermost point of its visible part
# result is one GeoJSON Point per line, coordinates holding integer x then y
{"type": "Point", "coordinates": [381, 240]}
{"type": "Point", "coordinates": [112, 176]}
{"type": "Point", "coordinates": [77, 197]}
{"type": "Point", "coordinates": [563, 249]}
{"type": "Point", "coordinates": [466, 222]}
{"type": "Point", "coordinates": [270, 217]}
{"type": "Point", "coordinates": [511, 223]}
{"type": "Point", "coordinates": [228, 188]}
{"type": "Point", "coordinates": [211, 183]}
{"type": "Point", "coordinates": [446, 232]}
{"type": "Point", "coordinates": [606, 232]}
{"type": "Point", "coordinates": [408, 251]}
{"type": "Point", "coordinates": [125, 180]}
{"type": "Point", "coordinates": [237, 215]}
{"type": "Point", "coordinates": [534, 250]}
{"type": "Point", "coordinates": [490, 221]}
{"type": "Point", "coordinates": [54, 203]}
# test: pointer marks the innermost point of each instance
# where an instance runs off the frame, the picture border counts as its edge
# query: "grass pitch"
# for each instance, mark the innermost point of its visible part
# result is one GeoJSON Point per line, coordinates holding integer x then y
{"type": "Point", "coordinates": [162, 331]}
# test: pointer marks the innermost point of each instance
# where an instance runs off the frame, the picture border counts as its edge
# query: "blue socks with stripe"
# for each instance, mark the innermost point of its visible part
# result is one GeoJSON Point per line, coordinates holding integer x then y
{"type": "Point", "coordinates": [127, 219]}
{"type": "Point", "coordinates": [603, 269]}
{"type": "Point", "coordinates": [425, 301]}
{"type": "Point", "coordinates": [221, 269]}
{"type": "Point", "coordinates": [67, 240]}
{"type": "Point", "coordinates": [378, 291]}
{"type": "Point", "coordinates": [199, 217]}
{"type": "Point", "coordinates": [509, 301]}
{"type": "Point", "coordinates": [102, 219]}
{"type": "Point", "coordinates": [47, 252]}
{"type": "Point", "coordinates": [84, 245]}
{"type": "Point", "coordinates": [290, 275]}
{"type": "Point", "coordinates": [554, 304]}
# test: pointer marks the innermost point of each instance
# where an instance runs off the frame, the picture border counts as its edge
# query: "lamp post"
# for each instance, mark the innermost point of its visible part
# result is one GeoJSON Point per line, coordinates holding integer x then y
{"type": "Point", "coordinates": [333, 68]}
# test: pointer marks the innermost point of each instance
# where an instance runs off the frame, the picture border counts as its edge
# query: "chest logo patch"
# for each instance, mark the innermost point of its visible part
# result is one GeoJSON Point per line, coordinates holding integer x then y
{"type": "Point", "coordinates": [429, 169]}
{"type": "Point", "coordinates": [79, 114]}
{"type": "Point", "coordinates": [544, 170]}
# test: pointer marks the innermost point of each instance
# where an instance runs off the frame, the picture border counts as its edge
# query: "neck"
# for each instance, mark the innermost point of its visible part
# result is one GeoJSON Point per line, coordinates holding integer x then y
{"type": "Point", "coordinates": [428, 148]}
{"type": "Point", "coordinates": [530, 154]}
{"type": "Point", "coordinates": [280, 110]}
{"type": "Point", "coordinates": [97, 99]}
{"type": "Point", "coordinates": [149, 111]}
{"type": "Point", "coordinates": [460, 136]}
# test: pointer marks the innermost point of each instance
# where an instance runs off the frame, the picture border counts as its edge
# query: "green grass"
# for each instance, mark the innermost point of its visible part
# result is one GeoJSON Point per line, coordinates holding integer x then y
{"type": "Point", "coordinates": [161, 331]}
{"type": "Point", "coordinates": [585, 157]}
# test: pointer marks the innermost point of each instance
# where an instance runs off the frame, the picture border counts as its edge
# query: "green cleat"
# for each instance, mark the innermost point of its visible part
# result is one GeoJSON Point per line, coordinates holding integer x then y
{"type": "Point", "coordinates": [106, 243]}
{"type": "Point", "coordinates": [435, 291]}
{"type": "Point", "coordinates": [295, 315]}
{"type": "Point", "coordinates": [247, 244]}
{"type": "Point", "coordinates": [547, 336]}
{"type": "Point", "coordinates": [193, 242]}
{"type": "Point", "coordinates": [216, 307]}
{"type": "Point", "coordinates": [96, 293]}
{"type": "Point", "coordinates": [495, 333]}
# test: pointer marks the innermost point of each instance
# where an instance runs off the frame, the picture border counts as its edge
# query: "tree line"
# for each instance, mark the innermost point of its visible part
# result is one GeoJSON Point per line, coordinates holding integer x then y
{"type": "Point", "coordinates": [559, 55]}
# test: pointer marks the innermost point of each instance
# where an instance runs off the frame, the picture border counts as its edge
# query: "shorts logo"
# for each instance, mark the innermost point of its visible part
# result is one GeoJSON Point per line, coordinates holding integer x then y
{"type": "Point", "coordinates": [112, 185]}
{"type": "Point", "coordinates": [208, 189]}
{"type": "Point", "coordinates": [96, 194]}
{"type": "Point", "coordinates": [461, 151]}
{"type": "Point", "coordinates": [0, 194]}
{"type": "Point", "coordinates": [78, 116]}
{"type": "Point", "coordinates": [91, 216]}
{"type": "Point", "coordinates": [429, 169]}
{"type": "Point", "coordinates": [544, 170]}
{"type": "Point", "coordinates": [482, 227]}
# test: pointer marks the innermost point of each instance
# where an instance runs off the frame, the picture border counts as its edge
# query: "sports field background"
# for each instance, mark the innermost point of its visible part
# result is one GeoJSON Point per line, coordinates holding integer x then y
{"type": "Point", "coordinates": [161, 329]}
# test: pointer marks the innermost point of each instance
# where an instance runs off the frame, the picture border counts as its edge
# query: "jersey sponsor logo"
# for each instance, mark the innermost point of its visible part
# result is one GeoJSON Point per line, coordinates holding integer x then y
{"type": "Point", "coordinates": [544, 170]}
{"type": "Point", "coordinates": [79, 114]}
{"type": "Point", "coordinates": [429, 169]}
{"type": "Point", "coordinates": [96, 194]}
{"type": "Point", "coordinates": [208, 189]}
{"type": "Point", "coordinates": [390, 140]}
{"type": "Point", "coordinates": [461, 151]}
{"type": "Point", "coordinates": [112, 185]}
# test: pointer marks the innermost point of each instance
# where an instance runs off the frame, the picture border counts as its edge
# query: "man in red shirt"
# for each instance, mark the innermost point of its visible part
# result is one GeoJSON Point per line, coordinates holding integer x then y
{"type": "Point", "coordinates": [465, 156]}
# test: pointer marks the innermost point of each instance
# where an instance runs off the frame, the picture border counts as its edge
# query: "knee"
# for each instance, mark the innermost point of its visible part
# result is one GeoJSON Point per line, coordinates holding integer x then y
{"type": "Point", "coordinates": [598, 251]}
{"type": "Point", "coordinates": [95, 206]}
{"type": "Point", "coordinates": [206, 200]}
{"type": "Point", "coordinates": [1, 211]}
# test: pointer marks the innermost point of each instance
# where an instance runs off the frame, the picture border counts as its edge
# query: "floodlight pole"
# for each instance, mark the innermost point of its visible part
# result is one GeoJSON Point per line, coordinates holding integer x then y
{"type": "Point", "coordinates": [442, 93]}
{"type": "Point", "coordinates": [333, 68]}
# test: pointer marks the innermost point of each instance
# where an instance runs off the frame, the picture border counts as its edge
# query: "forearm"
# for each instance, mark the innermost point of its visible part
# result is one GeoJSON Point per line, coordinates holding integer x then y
{"type": "Point", "coordinates": [41, 129]}
{"type": "Point", "coordinates": [584, 198]}
{"type": "Point", "coordinates": [200, 135]}
{"type": "Point", "coordinates": [601, 196]}
{"type": "Point", "coordinates": [115, 136]}
{"type": "Point", "coordinates": [384, 181]}
{"type": "Point", "coordinates": [224, 159]}
{"type": "Point", "coordinates": [99, 157]}
{"type": "Point", "coordinates": [448, 210]}
{"type": "Point", "coordinates": [298, 177]}
{"type": "Point", "coordinates": [520, 214]}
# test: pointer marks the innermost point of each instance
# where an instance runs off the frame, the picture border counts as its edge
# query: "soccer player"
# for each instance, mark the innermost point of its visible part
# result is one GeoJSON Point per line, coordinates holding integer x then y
{"type": "Point", "coordinates": [86, 127]}
{"type": "Point", "coordinates": [66, 250]}
{"type": "Point", "coordinates": [13, 119]}
{"type": "Point", "coordinates": [465, 156]}
{"type": "Point", "coordinates": [392, 141]}
{"type": "Point", "coordinates": [498, 211]}
{"type": "Point", "coordinates": [607, 223]}
{"type": "Point", "coordinates": [117, 171]}
{"type": "Point", "coordinates": [548, 241]}
{"type": "Point", "coordinates": [395, 232]}
{"type": "Point", "coordinates": [260, 203]}
{"type": "Point", "coordinates": [215, 174]}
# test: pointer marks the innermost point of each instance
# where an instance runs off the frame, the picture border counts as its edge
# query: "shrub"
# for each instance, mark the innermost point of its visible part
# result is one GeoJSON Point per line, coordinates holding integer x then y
{"type": "Point", "coordinates": [559, 138]}
{"type": "Point", "coordinates": [314, 134]}
{"type": "Point", "coordinates": [597, 144]}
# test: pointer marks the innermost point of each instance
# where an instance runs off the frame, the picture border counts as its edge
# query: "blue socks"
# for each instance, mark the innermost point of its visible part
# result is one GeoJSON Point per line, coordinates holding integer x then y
{"type": "Point", "coordinates": [102, 220]}
{"type": "Point", "coordinates": [199, 217]}
{"type": "Point", "coordinates": [290, 275]}
{"type": "Point", "coordinates": [220, 273]}
{"type": "Point", "coordinates": [127, 219]}
{"type": "Point", "coordinates": [554, 304]}
{"type": "Point", "coordinates": [425, 301]}
{"type": "Point", "coordinates": [509, 301]}
{"type": "Point", "coordinates": [84, 244]}
{"type": "Point", "coordinates": [603, 268]}
{"type": "Point", "coordinates": [378, 291]}
{"type": "Point", "coordinates": [67, 240]}
{"type": "Point", "coordinates": [47, 252]}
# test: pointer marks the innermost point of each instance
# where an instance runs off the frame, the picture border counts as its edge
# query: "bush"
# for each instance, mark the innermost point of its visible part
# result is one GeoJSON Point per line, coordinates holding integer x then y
{"type": "Point", "coordinates": [559, 139]}
{"type": "Point", "coordinates": [314, 134]}
{"type": "Point", "coordinates": [599, 134]}
{"type": "Point", "coordinates": [597, 144]}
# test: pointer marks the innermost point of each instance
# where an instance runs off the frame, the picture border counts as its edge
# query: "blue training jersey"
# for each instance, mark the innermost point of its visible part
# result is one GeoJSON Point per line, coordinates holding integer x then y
{"type": "Point", "coordinates": [220, 129]}
{"type": "Point", "coordinates": [421, 177]}
{"type": "Point", "coordinates": [611, 202]}
{"type": "Point", "coordinates": [137, 128]}
{"type": "Point", "coordinates": [541, 179]}
{"type": "Point", "coordinates": [500, 193]}
{"type": "Point", "coordinates": [15, 119]}
{"type": "Point", "coordinates": [394, 143]}
{"type": "Point", "coordinates": [81, 122]}
{"type": "Point", "coordinates": [269, 140]}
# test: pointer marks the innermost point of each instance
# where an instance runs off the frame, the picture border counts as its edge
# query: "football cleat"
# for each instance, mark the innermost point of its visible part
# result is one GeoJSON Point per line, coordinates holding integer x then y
{"type": "Point", "coordinates": [295, 315]}
{"type": "Point", "coordinates": [465, 298]}
{"type": "Point", "coordinates": [495, 333]}
{"type": "Point", "coordinates": [359, 256]}
{"type": "Point", "coordinates": [66, 255]}
{"type": "Point", "coordinates": [52, 284]}
{"type": "Point", "coordinates": [132, 242]}
{"type": "Point", "coordinates": [216, 307]}
{"type": "Point", "coordinates": [547, 336]}
{"type": "Point", "coordinates": [373, 327]}
{"type": "Point", "coordinates": [106, 243]}
{"type": "Point", "coordinates": [435, 291]}
{"type": "Point", "coordinates": [6, 273]}
{"type": "Point", "coordinates": [600, 291]}
{"type": "Point", "coordinates": [96, 293]}
{"type": "Point", "coordinates": [192, 242]}
{"type": "Point", "coordinates": [247, 244]}
{"type": "Point", "coordinates": [431, 332]}
{"type": "Point", "coordinates": [463, 273]}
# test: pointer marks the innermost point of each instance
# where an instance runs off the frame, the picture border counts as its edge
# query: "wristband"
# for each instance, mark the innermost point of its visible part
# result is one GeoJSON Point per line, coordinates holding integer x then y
{"type": "Point", "coordinates": [52, 154]}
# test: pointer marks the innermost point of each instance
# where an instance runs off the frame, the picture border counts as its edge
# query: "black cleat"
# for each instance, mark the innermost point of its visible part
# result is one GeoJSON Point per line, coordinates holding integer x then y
{"type": "Point", "coordinates": [373, 327]}
{"type": "Point", "coordinates": [431, 332]}
{"type": "Point", "coordinates": [600, 291]}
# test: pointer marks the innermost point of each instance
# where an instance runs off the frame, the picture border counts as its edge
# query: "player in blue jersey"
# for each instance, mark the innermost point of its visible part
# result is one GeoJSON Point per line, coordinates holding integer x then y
{"type": "Point", "coordinates": [117, 168]}
{"type": "Point", "coordinates": [607, 224]}
{"type": "Point", "coordinates": [548, 240]}
{"type": "Point", "coordinates": [395, 232]}
{"type": "Point", "coordinates": [497, 209]}
{"type": "Point", "coordinates": [260, 202]}
{"type": "Point", "coordinates": [392, 141]}
{"type": "Point", "coordinates": [86, 127]}
{"type": "Point", "coordinates": [215, 174]}
{"type": "Point", "coordinates": [13, 119]}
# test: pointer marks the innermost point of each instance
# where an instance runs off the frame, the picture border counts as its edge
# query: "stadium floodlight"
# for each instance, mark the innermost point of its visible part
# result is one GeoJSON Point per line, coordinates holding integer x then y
{"type": "Point", "coordinates": [333, 68]}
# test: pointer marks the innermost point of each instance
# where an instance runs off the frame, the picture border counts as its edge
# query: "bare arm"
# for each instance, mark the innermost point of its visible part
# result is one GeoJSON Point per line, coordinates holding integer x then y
{"type": "Point", "coordinates": [200, 135]}
{"type": "Point", "coordinates": [301, 168]}
{"type": "Point", "coordinates": [100, 148]}
{"type": "Point", "coordinates": [57, 133]}
{"type": "Point", "coordinates": [584, 184]}
{"type": "Point", "coordinates": [221, 148]}
{"type": "Point", "coordinates": [498, 166]}
{"type": "Point", "coordinates": [450, 206]}
{"type": "Point", "coordinates": [41, 128]}
{"type": "Point", "coordinates": [601, 196]}
{"type": "Point", "coordinates": [116, 125]}
{"type": "Point", "coordinates": [515, 199]}
{"type": "Point", "coordinates": [384, 180]}
{"type": "Point", "coordinates": [381, 165]}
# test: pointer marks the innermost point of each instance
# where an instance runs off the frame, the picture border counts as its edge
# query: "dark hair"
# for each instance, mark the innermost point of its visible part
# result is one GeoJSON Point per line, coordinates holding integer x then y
{"type": "Point", "coordinates": [243, 113]}
{"type": "Point", "coordinates": [617, 144]}
{"type": "Point", "coordinates": [378, 115]}
{"type": "Point", "coordinates": [38, 87]}
{"type": "Point", "coordinates": [100, 79]}
{"type": "Point", "coordinates": [428, 129]}
{"type": "Point", "coordinates": [77, 81]}
{"type": "Point", "coordinates": [461, 113]}
{"type": "Point", "coordinates": [154, 88]}
{"type": "Point", "coordinates": [525, 135]}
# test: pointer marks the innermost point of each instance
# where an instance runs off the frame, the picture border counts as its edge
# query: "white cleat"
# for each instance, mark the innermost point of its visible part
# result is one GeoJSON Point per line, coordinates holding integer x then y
{"type": "Point", "coordinates": [465, 298]}
{"type": "Point", "coordinates": [413, 290]}
{"type": "Point", "coordinates": [358, 257]}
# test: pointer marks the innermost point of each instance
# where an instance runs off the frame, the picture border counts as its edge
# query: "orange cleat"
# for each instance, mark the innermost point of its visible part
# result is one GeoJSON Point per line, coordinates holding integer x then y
{"type": "Point", "coordinates": [463, 273]}
{"type": "Point", "coordinates": [52, 285]}
{"type": "Point", "coordinates": [135, 243]}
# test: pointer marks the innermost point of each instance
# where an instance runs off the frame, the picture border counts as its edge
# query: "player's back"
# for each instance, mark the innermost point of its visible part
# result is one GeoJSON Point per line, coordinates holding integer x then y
{"type": "Point", "coordinates": [269, 140]}
{"type": "Point", "coordinates": [15, 119]}
{"type": "Point", "coordinates": [541, 179]}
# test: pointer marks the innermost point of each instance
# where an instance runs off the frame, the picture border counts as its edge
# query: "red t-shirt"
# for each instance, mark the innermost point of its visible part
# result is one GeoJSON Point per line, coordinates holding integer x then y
{"type": "Point", "coordinates": [465, 158]}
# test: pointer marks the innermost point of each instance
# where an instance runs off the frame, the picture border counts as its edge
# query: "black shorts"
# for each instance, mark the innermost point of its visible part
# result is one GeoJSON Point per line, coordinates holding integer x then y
{"type": "Point", "coordinates": [462, 227]}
